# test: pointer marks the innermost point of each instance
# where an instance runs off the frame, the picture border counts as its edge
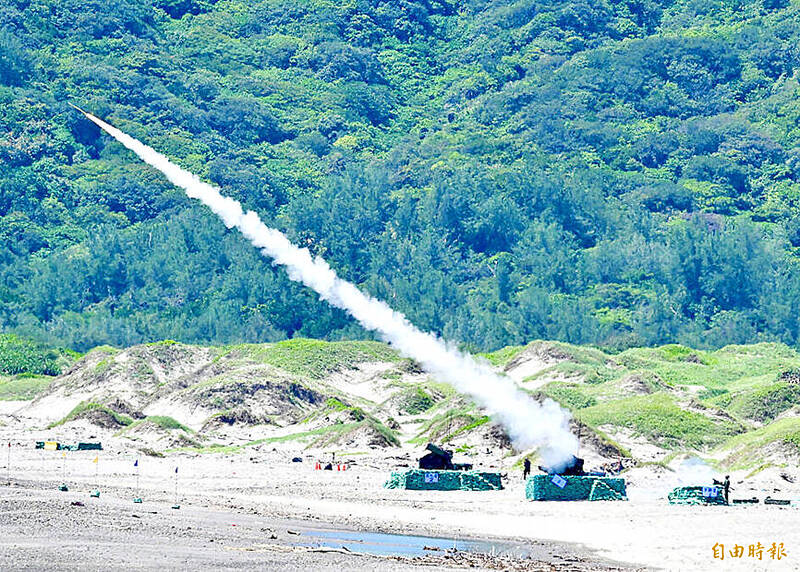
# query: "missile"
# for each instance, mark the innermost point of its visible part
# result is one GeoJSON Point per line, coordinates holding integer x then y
{"type": "Point", "coordinates": [76, 107]}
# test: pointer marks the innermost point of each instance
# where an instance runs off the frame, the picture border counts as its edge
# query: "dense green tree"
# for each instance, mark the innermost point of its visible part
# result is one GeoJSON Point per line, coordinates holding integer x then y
{"type": "Point", "coordinates": [616, 173]}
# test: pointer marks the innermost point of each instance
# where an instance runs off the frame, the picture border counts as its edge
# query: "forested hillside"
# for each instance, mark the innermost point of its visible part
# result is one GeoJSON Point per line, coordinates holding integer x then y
{"type": "Point", "coordinates": [619, 173]}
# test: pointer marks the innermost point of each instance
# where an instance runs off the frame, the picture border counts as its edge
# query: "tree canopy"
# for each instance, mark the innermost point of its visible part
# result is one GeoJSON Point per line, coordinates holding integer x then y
{"type": "Point", "coordinates": [611, 172]}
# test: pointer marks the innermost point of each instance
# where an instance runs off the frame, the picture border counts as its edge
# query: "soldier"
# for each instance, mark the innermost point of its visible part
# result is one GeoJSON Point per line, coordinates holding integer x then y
{"type": "Point", "coordinates": [726, 487]}
{"type": "Point", "coordinates": [526, 469]}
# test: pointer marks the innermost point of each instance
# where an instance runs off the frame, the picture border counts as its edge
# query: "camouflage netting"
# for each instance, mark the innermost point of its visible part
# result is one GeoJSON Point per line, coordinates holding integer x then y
{"type": "Point", "coordinates": [544, 487]}
{"type": "Point", "coordinates": [422, 480]}
{"type": "Point", "coordinates": [696, 495]}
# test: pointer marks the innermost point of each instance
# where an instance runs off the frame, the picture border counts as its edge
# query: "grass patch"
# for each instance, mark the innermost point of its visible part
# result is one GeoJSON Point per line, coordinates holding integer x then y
{"type": "Point", "coordinates": [162, 421]}
{"type": "Point", "coordinates": [372, 424]}
{"type": "Point", "coordinates": [589, 373]}
{"type": "Point", "coordinates": [730, 368]}
{"type": "Point", "coordinates": [353, 412]}
{"type": "Point", "coordinates": [415, 400]}
{"type": "Point", "coordinates": [86, 406]}
{"type": "Point", "coordinates": [567, 395]}
{"type": "Point", "coordinates": [444, 426]}
{"type": "Point", "coordinates": [23, 387]}
{"type": "Point", "coordinates": [166, 422]}
{"type": "Point", "coordinates": [502, 356]}
{"type": "Point", "coordinates": [747, 450]}
{"type": "Point", "coordinates": [660, 419]}
{"type": "Point", "coordinates": [762, 404]}
{"type": "Point", "coordinates": [315, 359]}
{"type": "Point", "coordinates": [467, 428]}
{"type": "Point", "coordinates": [604, 438]}
{"type": "Point", "coordinates": [712, 394]}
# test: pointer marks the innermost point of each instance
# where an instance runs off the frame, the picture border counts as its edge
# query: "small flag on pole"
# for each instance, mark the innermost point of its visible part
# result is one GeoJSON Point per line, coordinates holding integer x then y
{"type": "Point", "coordinates": [96, 459]}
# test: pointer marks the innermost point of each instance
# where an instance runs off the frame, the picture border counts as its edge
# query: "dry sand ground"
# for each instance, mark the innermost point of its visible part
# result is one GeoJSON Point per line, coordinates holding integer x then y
{"type": "Point", "coordinates": [264, 494]}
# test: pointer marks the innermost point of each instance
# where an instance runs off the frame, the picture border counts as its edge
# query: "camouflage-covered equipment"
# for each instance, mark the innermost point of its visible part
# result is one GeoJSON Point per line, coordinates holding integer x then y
{"type": "Point", "coordinates": [697, 495]}
{"type": "Point", "coordinates": [574, 488]}
{"type": "Point", "coordinates": [425, 480]}
{"type": "Point", "coordinates": [90, 446]}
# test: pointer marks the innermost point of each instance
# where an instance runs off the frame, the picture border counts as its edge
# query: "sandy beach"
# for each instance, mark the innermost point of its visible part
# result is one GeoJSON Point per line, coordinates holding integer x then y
{"type": "Point", "coordinates": [264, 494]}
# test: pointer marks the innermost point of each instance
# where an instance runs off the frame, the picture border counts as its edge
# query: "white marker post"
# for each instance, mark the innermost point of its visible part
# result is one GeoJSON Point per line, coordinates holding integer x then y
{"type": "Point", "coordinates": [137, 498]}
{"type": "Point", "coordinates": [96, 492]}
{"type": "Point", "coordinates": [176, 506]}
{"type": "Point", "coordinates": [8, 464]}
{"type": "Point", "coordinates": [63, 488]}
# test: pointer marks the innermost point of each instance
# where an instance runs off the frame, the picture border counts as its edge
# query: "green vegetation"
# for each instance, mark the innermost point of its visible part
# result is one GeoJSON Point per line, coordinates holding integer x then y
{"type": "Point", "coordinates": [617, 173]}
{"type": "Point", "coordinates": [416, 400]}
{"type": "Point", "coordinates": [314, 359]}
{"type": "Point", "coordinates": [780, 438]}
{"type": "Point", "coordinates": [444, 426]}
{"type": "Point", "coordinates": [727, 370]}
{"type": "Point", "coordinates": [23, 386]}
{"type": "Point", "coordinates": [679, 398]}
{"type": "Point", "coordinates": [21, 355]}
{"type": "Point", "coordinates": [86, 407]}
{"type": "Point", "coordinates": [762, 404]}
{"type": "Point", "coordinates": [503, 355]}
{"type": "Point", "coordinates": [568, 395]}
{"type": "Point", "coordinates": [466, 428]}
{"type": "Point", "coordinates": [164, 422]}
{"type": "Point", "coordinates": [730, 368]}
{"type": "Point", "coordinates": [660, 419]}
{"type": "Point", "coordinates": [353, 412]}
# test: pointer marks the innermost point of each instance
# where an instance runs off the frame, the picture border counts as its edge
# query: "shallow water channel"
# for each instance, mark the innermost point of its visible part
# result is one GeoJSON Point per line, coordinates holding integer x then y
{"type": "Point", "coordinates": [381, 544]}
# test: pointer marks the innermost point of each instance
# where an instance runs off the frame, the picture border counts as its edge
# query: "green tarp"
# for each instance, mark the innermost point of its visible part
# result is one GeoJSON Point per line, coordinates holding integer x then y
{"type": "Point", "coordinates": [79, 447]}
{"type": "Point", "coordinates": [90, 447]}
{"type": "Point", "coordinates": [575, 488]}
{"type": "Point", "coordinates": [426, 480]}
{"type": "Point", "coordinates": [697, 495]}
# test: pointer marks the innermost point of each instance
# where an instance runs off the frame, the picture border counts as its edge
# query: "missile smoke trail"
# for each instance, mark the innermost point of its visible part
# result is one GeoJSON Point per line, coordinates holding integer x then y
{"type": "Point", "coordinates": [528, 423]}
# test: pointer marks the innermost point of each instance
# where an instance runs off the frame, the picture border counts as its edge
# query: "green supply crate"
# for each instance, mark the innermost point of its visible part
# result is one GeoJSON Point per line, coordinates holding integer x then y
{"type": "Point", "coordinates": [90, 447]}
{"type": "Point", "coordinates": [434, 480]}
{"type": "Point", "coordinates": [574, 488]}
{"type": "Point", "coordinates": [697, 495]}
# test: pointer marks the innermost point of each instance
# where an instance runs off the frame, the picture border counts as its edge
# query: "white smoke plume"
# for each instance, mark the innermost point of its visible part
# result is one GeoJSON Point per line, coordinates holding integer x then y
{"type": "Point", "coordinates": [694, 471]}
{"type": "Point", "coordinates": [528, 423]}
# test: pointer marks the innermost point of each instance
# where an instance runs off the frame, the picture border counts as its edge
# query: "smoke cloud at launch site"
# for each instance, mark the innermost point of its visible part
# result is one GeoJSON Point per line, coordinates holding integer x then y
{"type": "Point", "coordinates": [527, 422]}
